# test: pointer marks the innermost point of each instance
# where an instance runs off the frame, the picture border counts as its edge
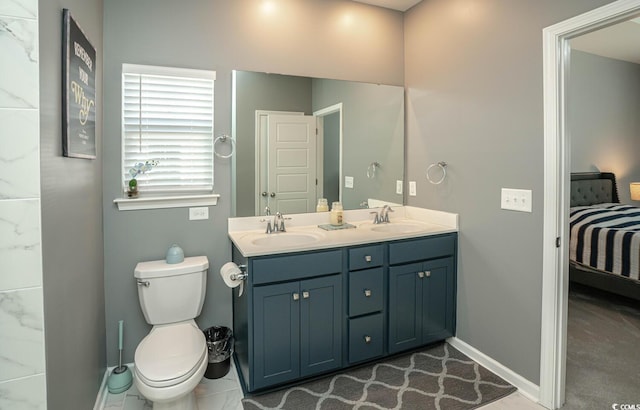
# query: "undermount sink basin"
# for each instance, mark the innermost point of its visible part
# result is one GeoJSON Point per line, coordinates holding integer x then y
{"type": "Point", "coordinates": [398, 227]}
{"type": "Point", "coordinates": [285, 239]}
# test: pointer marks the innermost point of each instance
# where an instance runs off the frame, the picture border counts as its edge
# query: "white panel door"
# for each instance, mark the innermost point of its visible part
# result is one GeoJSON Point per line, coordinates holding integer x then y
{"type": "Point", "coordinates": [292, 163]}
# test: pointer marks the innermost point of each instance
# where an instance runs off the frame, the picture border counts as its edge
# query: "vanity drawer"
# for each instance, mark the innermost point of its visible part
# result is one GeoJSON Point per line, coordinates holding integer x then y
{"type": "Point", "coordinates": [296, 266]}
{"type": "Point", "coordinates": [422, 249]}
{"type": "Point", "coordinates": [366, 289]}
{"type": "Point", "coordinates": [366, 257]}
{"type": "Point", "coordinates": [365, 337]}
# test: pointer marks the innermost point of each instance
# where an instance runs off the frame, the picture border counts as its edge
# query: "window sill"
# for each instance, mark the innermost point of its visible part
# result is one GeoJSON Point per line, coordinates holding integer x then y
{"type": "Point", "coordinates": [134, 204]}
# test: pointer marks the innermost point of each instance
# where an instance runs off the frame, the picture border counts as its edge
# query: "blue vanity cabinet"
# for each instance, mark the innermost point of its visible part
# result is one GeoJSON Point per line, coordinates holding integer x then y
{"type": "Point", "coordinates": [296, 323]}
{"type": "Point", "coordinates": [422, 299]}
{"type": "Point", "coordinates": [309, 313]}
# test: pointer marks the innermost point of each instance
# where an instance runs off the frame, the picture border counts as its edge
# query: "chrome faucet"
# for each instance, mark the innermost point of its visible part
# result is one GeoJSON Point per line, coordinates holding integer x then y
{"type": "Point", "coordinates": [267, 210]}
{"type": "Point", "coordinates": [376, 217]}
{"type": "Point", "coordinates": [277, 224]}
{"type": "Point", "coordinates": [384, 214]}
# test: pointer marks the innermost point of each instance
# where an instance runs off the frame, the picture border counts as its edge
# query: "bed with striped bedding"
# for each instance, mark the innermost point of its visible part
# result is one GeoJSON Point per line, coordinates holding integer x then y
{"type": "Point", "coordinates": [606, 237]}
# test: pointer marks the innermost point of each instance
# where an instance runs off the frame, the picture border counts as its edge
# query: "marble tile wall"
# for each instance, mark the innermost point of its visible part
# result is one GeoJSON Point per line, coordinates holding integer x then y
{"type": "Point", "coordinates": [22, 356]}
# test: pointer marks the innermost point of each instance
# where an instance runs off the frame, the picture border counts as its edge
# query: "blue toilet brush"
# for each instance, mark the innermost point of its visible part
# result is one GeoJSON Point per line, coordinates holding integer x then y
{"type": "Point", "coordinates": [120, 378]}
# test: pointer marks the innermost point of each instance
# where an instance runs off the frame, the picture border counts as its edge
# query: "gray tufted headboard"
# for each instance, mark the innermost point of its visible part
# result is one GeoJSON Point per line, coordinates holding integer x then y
{"type": "Point", "coordinates": [589, 188]}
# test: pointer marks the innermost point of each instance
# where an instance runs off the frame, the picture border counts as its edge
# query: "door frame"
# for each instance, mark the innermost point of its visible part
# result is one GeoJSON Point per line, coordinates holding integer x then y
{"type": "Point", "coordinates": [260, 153]}
{"type": "Point", "coordinates": [320, 114]}
{"type": "Point", "coordinates": [557, 161]}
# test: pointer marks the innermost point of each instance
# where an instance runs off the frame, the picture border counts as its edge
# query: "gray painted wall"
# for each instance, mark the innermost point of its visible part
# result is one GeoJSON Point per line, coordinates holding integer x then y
{"type": "Point", "coordinates": [373, 130]}
{"type": "Point", "coordinates": [261, 91]}
{"type": "Point", "coordinates": [473, 77]}
{"type": "Point", "coordinates": [604, 100]}
{"type": "Point", "coordinates": [218, 35]}
{"type": "Point", "coordinates": [72, 241]}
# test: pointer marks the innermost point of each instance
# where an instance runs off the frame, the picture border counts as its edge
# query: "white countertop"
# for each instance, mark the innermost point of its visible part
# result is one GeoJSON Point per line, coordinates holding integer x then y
{"type": "Point", "coordinates": [248, 234]}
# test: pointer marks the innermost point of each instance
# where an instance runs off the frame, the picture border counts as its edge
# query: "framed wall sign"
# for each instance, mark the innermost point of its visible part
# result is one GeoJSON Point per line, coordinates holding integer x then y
{"type": "Point", "coordinates": [78, 91]}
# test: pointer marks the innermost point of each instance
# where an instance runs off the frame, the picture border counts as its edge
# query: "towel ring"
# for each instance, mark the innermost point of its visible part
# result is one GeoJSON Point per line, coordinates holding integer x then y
{"type": "Point", "coordinates": [371, 169]}
{"type": "Point", "coordinates": [223, 138]}
{"type": "Point", "coordinates": [443, 166]}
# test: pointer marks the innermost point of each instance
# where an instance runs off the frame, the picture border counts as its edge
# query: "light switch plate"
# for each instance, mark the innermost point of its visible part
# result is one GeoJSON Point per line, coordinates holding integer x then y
{"type": "Point", "coordinates": [199, 213]}
{"type": "Point", "coordinates": [412, 188]}
{"type": "Point", "coordinates": [516, 199]}
{"type": "Point", "coordinates": [348, 182]}
{"type": "Point", "coordinates": [399, 187]}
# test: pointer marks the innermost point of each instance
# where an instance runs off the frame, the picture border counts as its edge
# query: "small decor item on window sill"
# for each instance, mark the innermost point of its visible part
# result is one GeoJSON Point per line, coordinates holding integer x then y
{"type": "Point", "coordinates": [139, 168]}
{"type": "Point", "coordinates": [132, 190]}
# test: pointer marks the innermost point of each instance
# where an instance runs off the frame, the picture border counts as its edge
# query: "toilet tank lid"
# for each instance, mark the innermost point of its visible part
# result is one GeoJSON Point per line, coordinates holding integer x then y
{"type": "Point", "coordinates": [160, 268]}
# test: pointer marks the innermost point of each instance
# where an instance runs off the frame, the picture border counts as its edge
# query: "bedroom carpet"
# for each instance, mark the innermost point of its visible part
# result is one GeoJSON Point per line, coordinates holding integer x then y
{"type": "Point", "coordinates": [439, 377]}
{"type": "Point", "coordinates": [603, 363]}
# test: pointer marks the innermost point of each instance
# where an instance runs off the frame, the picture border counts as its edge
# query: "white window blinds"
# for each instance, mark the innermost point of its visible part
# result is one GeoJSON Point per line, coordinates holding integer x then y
{"type": "Point", "coordinates": [167, 116]}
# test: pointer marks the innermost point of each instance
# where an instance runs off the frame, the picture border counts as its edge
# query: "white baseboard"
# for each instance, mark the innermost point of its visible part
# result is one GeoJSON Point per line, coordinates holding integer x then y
{"type": "Point", "coordinates": [528, 389]}
{"type": "Point", "coordinates": [101, 399]}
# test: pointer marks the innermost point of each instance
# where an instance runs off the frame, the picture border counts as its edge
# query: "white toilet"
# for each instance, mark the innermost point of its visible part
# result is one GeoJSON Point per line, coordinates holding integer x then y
{"type": "Point", "coordinates": [171, 360]}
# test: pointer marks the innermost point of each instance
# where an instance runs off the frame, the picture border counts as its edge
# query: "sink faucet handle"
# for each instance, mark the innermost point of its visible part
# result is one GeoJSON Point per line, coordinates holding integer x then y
{"type": "Point", "coordinates": [376, 217]}
{"type": "Point", "coordinates": [281, 218]}
{"type": "Point", "coordinates": [267, 210]}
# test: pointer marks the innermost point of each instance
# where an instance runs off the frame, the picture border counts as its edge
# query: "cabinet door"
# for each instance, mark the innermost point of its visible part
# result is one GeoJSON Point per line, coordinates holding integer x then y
{"type": "Point", "coordinates": [276, 343]}
{"type": "Point", "coordinates": [405, 307]}
{"type": "Point", "coordinates": [320, 325]}
{"type": "Point", "coordinates": [437, 300]}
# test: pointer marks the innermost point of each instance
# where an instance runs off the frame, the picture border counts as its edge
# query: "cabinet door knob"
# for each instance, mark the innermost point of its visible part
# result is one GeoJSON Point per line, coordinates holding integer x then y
{"type": "Point", "coordinates": [305, 295]}
{"type": "Point", "coordinates": [421, 275]}
{"type": "Point", "coordinates": [272, 195]}
{"type": "Point", "coordinates": [296, 296]}
{"type": "Point", "coordinates": [367, 292]}
{"type": "Point", "coordinates": [367, 258]}
{"type": "Point", "coordinates": [428, 274]}
{"type": "Point", "coordinates": [367, 339]}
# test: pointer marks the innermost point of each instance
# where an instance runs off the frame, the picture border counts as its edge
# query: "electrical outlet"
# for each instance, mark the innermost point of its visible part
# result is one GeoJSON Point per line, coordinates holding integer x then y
{"type": "Point", "coordinates": [348, 182]}
{"type": "Point", "coordinates": [199, 213]}
{"type": "Point", "coordinates": [412, 188]}
{"type": "Point", "coordinates": [516, 199]}
{"type": "Point", "coordinates": [399, 187]}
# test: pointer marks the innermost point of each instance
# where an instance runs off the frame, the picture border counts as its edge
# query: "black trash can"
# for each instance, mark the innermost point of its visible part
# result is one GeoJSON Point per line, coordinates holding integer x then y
{"type": "Point", "coordinates": [220, 346]}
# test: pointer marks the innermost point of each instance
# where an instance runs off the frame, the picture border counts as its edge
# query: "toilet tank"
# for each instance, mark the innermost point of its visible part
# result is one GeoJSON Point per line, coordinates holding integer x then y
{"type": "Point", "coordinates": [170, 293]}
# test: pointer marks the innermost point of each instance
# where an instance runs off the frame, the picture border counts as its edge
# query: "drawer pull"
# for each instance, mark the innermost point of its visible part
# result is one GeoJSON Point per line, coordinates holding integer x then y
{"type": "Point", "coordinates": [428, 274]}
{"type": "Point", "coordinates": [367, 293]}
{"type": "Point", "coordinates": [421, 275]}
{"type": "Point", "coordinates": [367, 258]}
{"type": "Point", "coordinates": [305, 295]}
{"type": "Point", "coordinates": [296, 296]}
{"type": "Point", "coordinates": [367, 339]}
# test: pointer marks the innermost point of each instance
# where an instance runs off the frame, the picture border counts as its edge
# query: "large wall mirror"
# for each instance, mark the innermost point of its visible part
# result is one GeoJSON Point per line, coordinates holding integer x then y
{"type": "Point", "coordinates": [299, 139]}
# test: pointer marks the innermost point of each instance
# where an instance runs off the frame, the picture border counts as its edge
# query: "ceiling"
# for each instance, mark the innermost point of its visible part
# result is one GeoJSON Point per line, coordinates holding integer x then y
{"type": "Point", "coordinates": [401, 5]}
{"type": "Point", "coordinates": [620, 41]}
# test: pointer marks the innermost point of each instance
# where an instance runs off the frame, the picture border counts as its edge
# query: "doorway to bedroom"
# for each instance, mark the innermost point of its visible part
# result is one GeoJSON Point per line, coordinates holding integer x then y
{"type": "Point", "coordinates": [584, 328]}
{"type": "Point", "coordinates": [603, 327]}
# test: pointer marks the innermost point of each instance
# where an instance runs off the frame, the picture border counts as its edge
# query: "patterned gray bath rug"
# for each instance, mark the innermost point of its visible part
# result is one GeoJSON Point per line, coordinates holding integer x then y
{"type": "Point", "coordinates": [439, 377]}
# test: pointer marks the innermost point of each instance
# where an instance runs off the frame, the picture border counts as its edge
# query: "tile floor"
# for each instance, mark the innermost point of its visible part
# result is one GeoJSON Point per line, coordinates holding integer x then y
{"type": "Point", "coordinates": [225, 393]}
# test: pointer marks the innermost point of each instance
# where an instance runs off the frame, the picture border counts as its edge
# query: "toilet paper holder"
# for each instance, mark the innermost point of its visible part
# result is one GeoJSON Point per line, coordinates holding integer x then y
{"type": "Point", "coordinates": [240, 276]}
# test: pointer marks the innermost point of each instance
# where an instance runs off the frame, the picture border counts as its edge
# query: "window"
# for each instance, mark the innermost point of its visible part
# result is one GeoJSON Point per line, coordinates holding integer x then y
{"type": "Point", "coordinates": [167, 116]}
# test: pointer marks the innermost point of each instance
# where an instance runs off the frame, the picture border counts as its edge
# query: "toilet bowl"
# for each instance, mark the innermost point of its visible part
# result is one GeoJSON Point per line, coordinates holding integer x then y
{"type": "Point", "coordinates": [169, 363]}
{"type": "Point", "coordinates": [172, 359]}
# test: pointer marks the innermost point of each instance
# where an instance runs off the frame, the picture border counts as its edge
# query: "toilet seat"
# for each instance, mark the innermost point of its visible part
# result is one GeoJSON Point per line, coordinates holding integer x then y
{"type": "Point", "coordinates": [170, 354]}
